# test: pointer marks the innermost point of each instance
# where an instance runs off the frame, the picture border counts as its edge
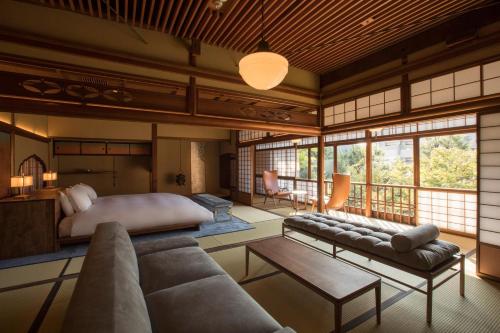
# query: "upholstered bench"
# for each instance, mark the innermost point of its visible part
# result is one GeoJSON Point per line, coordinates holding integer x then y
{"type": "Point", "coordinates": [416, 251]}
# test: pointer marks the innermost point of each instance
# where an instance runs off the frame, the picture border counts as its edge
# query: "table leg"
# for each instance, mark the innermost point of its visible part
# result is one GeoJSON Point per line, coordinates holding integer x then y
{"type": "Point", "coordinates": [247, 261]}
{"type": "Point", "coordinates": [378, 302]}
{"type": "Point", "coordinates": [296, 202]}
{"type": "Point", "coordinates": [338, 318]}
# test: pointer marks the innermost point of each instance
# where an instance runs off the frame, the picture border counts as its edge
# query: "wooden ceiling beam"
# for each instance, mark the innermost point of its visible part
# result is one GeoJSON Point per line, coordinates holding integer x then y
{"type": "Point", "coordinates": [166, 16]}
{"type": "Point", "coordinates": [370, 42]}
{"type": "Point", "coordinates": [99, 8]}
{"type": "Point", "coordinates": [432, 36]}
{"type": "Point", "coordinates": [252, 15]}
{"type": "Point", "coordinates": [158, 15]}
{"type": "Point", "coordinates": [318, 61]}
{"type": "Point", "coordinates": [252, 31]}
{"type": "Point", "coordinates": [151, 10]}
{"type": "Point", "coordinates": [91, 8]}
{"type": "Point", "coordinates": [182, 18]}
{"type": "Point", "coordinates": [174, 17]}
{"type": "Point", "coordinates": [186, 27]}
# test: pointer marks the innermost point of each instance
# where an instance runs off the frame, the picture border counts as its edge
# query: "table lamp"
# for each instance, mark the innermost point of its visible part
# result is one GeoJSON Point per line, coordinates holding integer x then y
{"type": "Point", "coordinates": [49, 177]}
{"type": "Point", "coordinates": [21, 182]}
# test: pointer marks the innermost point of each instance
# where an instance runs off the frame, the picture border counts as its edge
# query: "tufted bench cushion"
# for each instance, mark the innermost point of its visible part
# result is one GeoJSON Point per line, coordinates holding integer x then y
{"type": "Point", "coordinates": [374, 240]}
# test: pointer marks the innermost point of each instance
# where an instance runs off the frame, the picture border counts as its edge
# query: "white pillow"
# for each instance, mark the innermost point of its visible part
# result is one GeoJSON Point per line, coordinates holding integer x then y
{"type": "Point", "coordinates": [90, 192]}
{"type": "Point", "coordinates": [66, 204]}
{"type": "Point", "coordinates": [79, 198]}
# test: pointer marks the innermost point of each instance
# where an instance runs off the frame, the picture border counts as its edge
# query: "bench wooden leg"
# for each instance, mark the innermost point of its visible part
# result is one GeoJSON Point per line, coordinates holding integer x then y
{"type": "Point", "coordinates": [429, 301]}
{"type": "Point", "coordinates": [462, 275]}
{"type": "Point", "coordinates": [378, 302]}
{"type": "Point", "coordinates": [334, 253]}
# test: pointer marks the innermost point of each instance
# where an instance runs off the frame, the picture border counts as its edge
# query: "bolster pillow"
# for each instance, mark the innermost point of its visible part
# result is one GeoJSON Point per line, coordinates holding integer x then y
{"type": "Point", "coordinates": [411, 239]}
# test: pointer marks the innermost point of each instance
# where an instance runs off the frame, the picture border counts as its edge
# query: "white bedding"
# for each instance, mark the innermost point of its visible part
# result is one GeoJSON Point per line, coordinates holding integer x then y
{"type": "Point", "coordinates": [135, 212]}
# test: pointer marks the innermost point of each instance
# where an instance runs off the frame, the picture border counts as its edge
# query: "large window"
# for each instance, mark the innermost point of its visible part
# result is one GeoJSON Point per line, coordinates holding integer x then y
{"type": "Point", "coordinates": [449, 161]}
{"type": "Point", "coordinates": [329, 162]}
{"type": "Point", "coordinates": [352, 161]}
{"type": "Point", "coordinates": [307, 163]}
{"type": "Point", "coordinates": [392, 162]}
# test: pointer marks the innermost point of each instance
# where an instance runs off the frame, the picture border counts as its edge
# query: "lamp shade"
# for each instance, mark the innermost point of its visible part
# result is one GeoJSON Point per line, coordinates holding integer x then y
{"type": "Point", "coordinates": [16, 181]}
{"type": "Point", "coordinates": [21, 181]}
{"type": "Point", "coordinates": [263, 70]}
{"type": "Point", "coordinates": [27, 180]}
{"type": "Point", "coordinates": [49, 176]}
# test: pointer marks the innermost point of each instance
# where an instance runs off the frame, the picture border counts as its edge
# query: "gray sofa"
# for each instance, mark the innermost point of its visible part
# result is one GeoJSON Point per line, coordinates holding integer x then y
{"type": "Point", "coordinates": [170, 285]}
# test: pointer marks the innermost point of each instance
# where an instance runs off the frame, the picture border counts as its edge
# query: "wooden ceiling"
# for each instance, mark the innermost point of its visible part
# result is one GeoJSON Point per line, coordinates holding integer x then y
{"type": "Point", "coordinates": [318, 36]}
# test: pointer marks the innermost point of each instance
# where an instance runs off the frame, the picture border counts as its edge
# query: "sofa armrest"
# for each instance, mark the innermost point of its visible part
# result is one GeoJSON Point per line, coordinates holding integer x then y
{"type": "Point", "coordinates": [164, 244]}
{"type": "Point", "coordinates": [285, 330]}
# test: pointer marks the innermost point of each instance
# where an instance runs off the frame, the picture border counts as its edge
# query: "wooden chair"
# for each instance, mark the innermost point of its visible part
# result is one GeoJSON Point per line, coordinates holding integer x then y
{"type": "Point", "coordinates": [272, 189]}
{"type": "Point", "coordinates": [339, 196]}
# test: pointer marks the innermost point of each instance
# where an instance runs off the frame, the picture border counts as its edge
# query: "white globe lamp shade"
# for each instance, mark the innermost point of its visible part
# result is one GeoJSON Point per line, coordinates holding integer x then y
{"type": "Point", "coordinates": [263, 70]}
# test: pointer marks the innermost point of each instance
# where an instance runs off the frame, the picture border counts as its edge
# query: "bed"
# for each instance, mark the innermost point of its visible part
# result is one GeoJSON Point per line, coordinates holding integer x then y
{"type": "Point", "coordinates": [139, 213]}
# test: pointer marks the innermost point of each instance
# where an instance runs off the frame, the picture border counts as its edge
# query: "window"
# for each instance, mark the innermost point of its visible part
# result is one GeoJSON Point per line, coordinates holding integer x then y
{"type": "Point", "coordinates": [303, 163]}
{"type": "Point", "coordinates": [449, 161]}
{"type": "Point", "coordinates": [392, 162]}
{"type": "Point", "coordinates": [352, 135]}
{"type": "Point", "coordinates": [352, 160]}
{"type": "Point", "coordinates": [379, 104]}
{"type": "Point", "coordinates": [427, 125]}
{"type": "Point", "coordinates": [491, 78]}
{"type": "Point", "coordinates": [244, 169]}
{"type": "Point", "coordinates": [329, 162]}
{"type": "Point", "coordinates": [33, 166]}
{"type": "Point", "coordinates": [245, 136]}
{"type": "Point", "coordinates": [307, 163]}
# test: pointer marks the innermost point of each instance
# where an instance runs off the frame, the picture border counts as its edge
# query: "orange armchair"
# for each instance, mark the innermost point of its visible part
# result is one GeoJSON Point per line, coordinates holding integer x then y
{"type": "Point", "coordinates": [340, 194]}
{"type": "Point", "coordinates": [272, 189]}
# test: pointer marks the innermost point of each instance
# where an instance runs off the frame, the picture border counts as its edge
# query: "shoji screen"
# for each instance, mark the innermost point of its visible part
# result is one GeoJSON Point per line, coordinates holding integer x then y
{"type": "Point", "coordinates": [245, 174]}
{"type": "Point", "coordinates": [489, 195]}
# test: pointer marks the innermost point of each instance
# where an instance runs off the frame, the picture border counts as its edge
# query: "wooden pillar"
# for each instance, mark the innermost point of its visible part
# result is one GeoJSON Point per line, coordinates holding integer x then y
{"type": "Point", "coordinates": [416, 173]}
{"type": "Point", "coordinates": [368, 208]}
{"type": "Point", "coordinates": [154, 158]}
{"type": "Point", "coordinates": [405, 90]}
{"type": "Point", "coordinates": [321, 173]}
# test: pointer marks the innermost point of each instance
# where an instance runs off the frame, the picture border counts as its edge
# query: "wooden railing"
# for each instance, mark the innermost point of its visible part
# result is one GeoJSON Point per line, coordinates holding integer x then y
{"type": "Point", "coordinates": [393, 202]}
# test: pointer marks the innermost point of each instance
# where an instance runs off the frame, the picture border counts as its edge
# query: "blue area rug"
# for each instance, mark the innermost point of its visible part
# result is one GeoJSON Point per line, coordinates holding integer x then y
{"type": "Point", "coordinates": [78, 250]}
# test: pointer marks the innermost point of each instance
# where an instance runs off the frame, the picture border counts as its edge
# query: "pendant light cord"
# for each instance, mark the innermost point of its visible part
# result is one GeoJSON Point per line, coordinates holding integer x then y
{"type": "Point", "coordinates": [262, 17]}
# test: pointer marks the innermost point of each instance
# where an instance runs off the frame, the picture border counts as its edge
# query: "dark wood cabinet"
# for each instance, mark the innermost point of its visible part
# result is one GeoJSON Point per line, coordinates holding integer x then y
{"type": "Point", "coordinates": [102, 148]}
{"type": "Point", "coordinates": [93, 148]}
{"type": "Point", "coordinates": [67, 148]}
{"type": "Point", "coordinates": [28, 227]}
{"type": "Point", "coordinates": [140, 149]}
{"type": "Point", "coordinates": [118, 149]}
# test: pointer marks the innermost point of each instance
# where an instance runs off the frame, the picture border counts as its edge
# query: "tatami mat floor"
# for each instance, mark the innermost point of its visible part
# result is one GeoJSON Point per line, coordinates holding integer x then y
{"type": "Point", "coordinates": [34, 298]}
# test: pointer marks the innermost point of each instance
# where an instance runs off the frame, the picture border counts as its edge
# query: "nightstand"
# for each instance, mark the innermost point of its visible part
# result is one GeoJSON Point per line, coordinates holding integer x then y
{"type": "Point", "coordinates": [29, 226]}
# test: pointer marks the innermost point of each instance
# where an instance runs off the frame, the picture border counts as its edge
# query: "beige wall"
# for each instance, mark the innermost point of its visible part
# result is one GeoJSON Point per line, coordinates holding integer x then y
{"type": "Point", "coordinates": [169, 153]}
{"type": "Point", "coordinates": [25, 147]}
{"type": "Point", "coordinates": [6, 117]}
{"type": "Point", "coordinates": [192, 132]}
{"type": "Point", "coordinates": [98, 129]}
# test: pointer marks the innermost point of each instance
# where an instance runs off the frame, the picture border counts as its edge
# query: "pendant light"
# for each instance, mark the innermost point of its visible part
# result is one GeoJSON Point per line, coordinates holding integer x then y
{"type": "Point", "coordinates": [263, 70]}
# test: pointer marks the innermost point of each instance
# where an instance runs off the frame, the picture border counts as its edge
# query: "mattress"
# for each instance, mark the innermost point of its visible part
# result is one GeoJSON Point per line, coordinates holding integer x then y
{"type": "Point", "coordinates": [136, 212]}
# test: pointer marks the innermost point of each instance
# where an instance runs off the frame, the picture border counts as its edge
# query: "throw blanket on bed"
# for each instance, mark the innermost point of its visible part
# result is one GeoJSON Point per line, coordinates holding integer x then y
{"type": "Point", "coordinates": [136, 212]}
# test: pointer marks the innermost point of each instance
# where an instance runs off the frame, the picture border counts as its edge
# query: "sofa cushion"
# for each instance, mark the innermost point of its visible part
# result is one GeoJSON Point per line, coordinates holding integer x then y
{"type": "Point", "coordinates": [412, 238]}
{"type": "Point", "coordinates": [215, 304]}
{"type": "Point", "coordinates": [107, 295]}
{"type": "Point", "coordinates": [166, 269]}
{"type": "Point", "coordinates": [164, 244]}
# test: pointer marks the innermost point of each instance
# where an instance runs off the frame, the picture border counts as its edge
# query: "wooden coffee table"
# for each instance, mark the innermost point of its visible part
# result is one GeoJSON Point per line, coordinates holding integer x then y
{"type": "Point", "coordinates": [333, 279]}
